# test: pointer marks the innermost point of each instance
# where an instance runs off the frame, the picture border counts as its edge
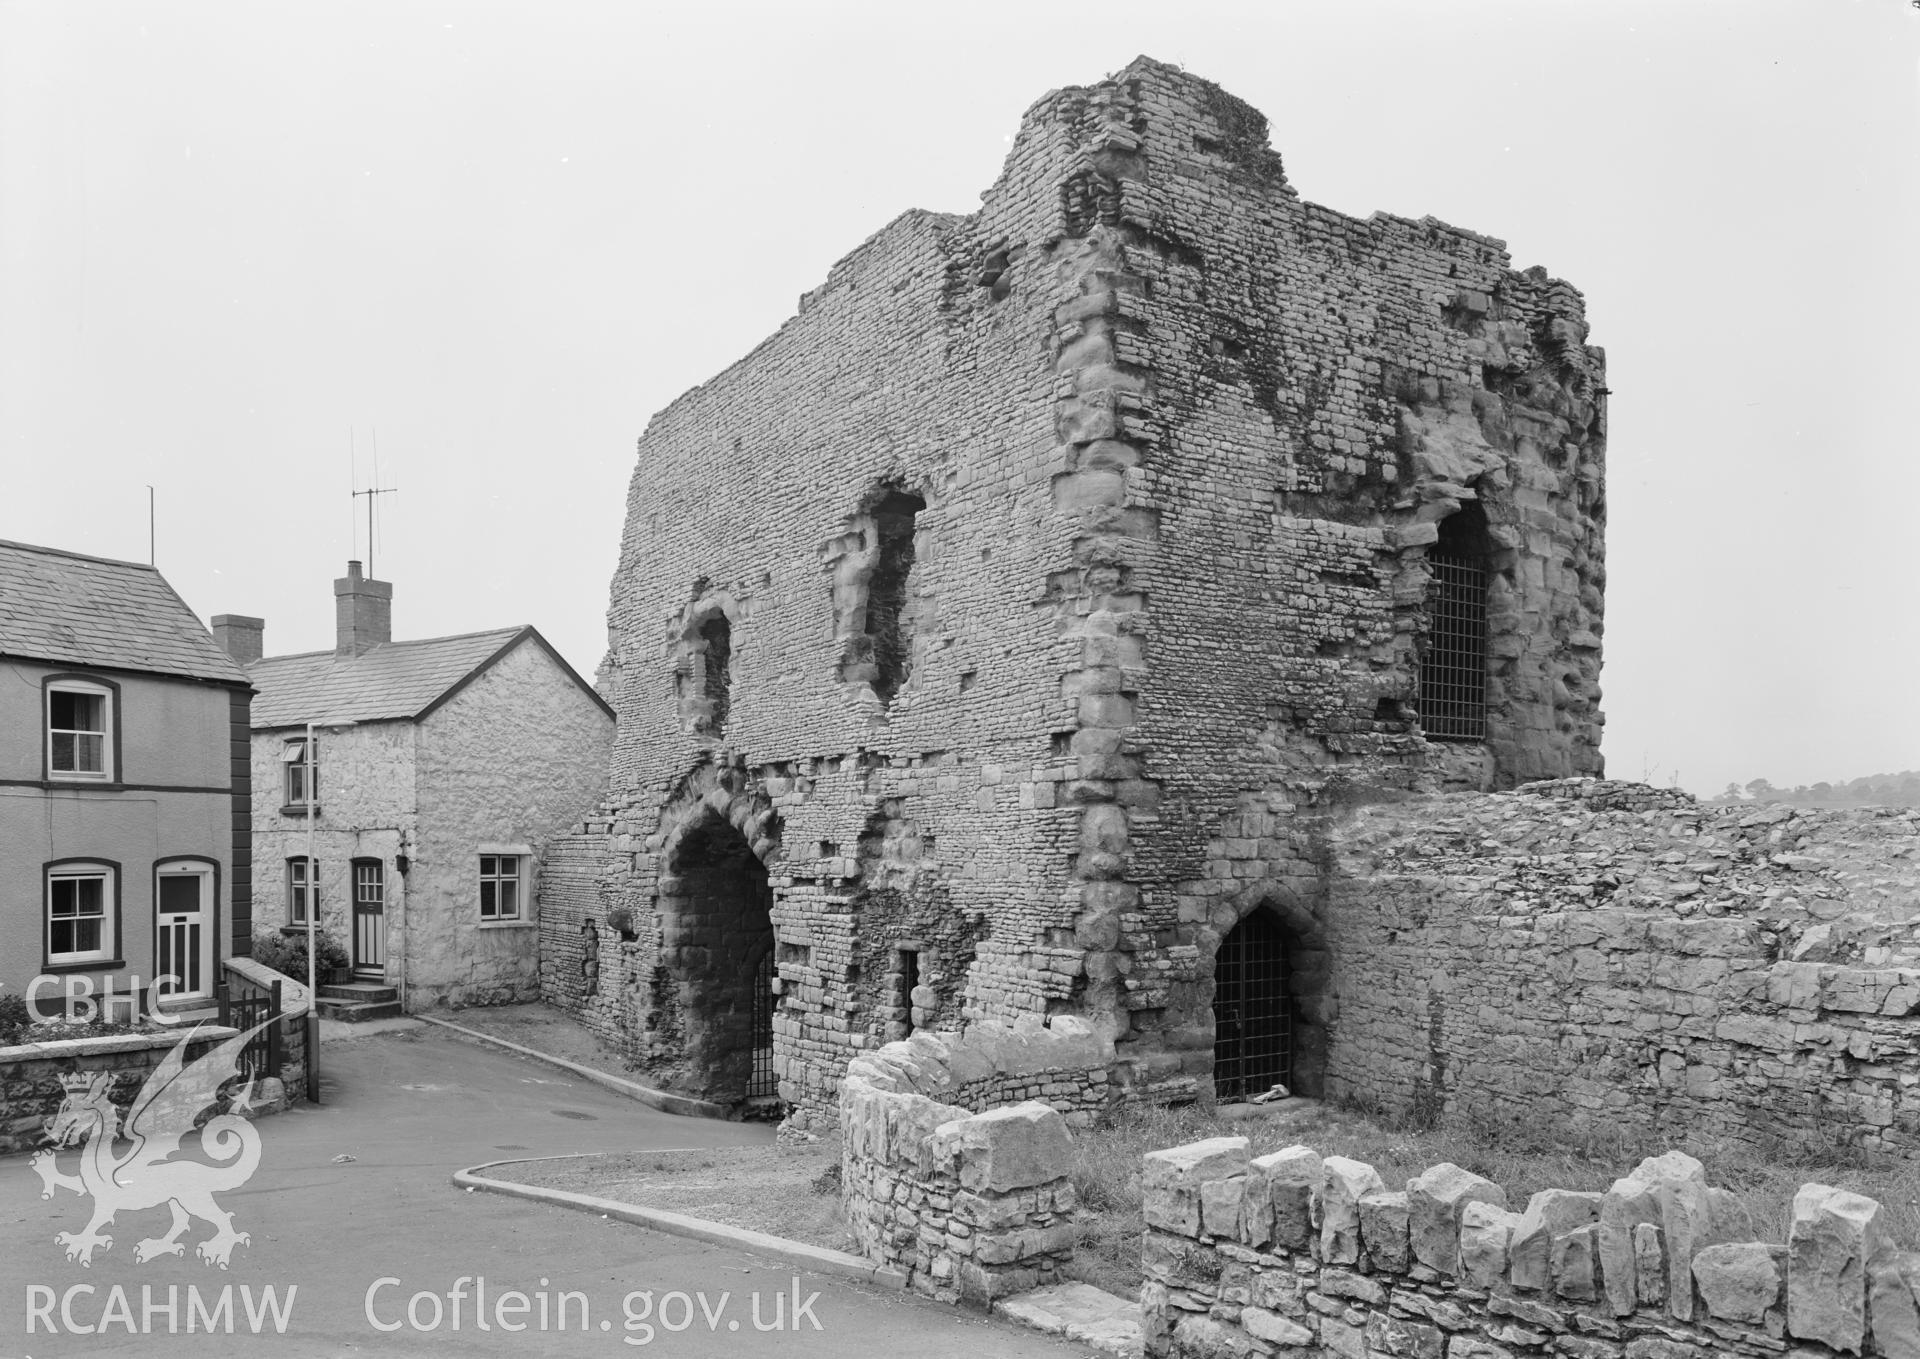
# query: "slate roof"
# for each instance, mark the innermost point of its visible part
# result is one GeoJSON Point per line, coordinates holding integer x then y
{"type": "Point", "coordinates": [96, 613]}
{"type": "Point", "coordinates": [395, 680]}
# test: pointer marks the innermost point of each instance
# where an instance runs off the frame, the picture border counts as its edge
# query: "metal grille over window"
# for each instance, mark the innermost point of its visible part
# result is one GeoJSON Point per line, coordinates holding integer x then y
{"type": "Point", "coordinates": [1453, 671]}
{"type": "Point", "coordinates": [1252, 1013]}
{"type": "Point", "coordinates": [762, 1084]}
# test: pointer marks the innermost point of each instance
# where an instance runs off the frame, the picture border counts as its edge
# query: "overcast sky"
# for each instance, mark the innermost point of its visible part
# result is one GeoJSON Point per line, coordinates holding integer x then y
{"type": "Point", "coordinates": [239, 241]}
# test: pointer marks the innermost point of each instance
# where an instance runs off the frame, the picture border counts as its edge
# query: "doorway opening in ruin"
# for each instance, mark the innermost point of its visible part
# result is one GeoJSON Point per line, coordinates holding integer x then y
{"type": "Point", "coordinates": [1453, 662]}
{"type": "Point", "coordinates": [717, 938]}
{"type": "Point", "coordinates": [1252, 1010]}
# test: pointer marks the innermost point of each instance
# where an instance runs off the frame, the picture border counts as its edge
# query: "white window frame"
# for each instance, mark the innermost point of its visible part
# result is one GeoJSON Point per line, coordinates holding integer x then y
{"type": "Point", "coordinates": [80, 871]}
{"type": "Point", "coordinates": [104, 774]}
{"type": "Point", "coordinates": [293, 760]}
{"type": "Point", "coordinates": [306, 891]}
{"type": "Point", "coordinates": [522, 878]}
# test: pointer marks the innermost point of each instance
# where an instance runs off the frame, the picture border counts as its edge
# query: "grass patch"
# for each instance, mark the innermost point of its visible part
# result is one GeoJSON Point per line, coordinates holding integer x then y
{"type": "Point", "coordinates": [1523, 1161]}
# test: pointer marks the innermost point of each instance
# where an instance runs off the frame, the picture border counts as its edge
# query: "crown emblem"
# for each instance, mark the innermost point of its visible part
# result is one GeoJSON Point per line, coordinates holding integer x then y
{"type": "Point", "coordinates": [84, 1082]}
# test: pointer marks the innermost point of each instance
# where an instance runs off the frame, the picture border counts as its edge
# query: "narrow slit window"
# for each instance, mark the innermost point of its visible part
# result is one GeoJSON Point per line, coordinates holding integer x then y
{"type": "Point", "coordinates": [887, 593]}
{"type": "Point", "coordinates": [716, 635]}
{"type": "Point", "coordinates": [1453, 666]}
{"type": "Point", "coordinates": [908, 981]}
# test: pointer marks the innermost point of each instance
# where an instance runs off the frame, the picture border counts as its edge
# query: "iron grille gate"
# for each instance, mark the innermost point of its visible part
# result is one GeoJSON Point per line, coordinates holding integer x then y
{"type": "Point", "coordinates": [260, 1058]}
{"type": "Point", "coordinates": [762, 1083]}
{"type": "Point", "coordinates": [1252, 1013]}
{"type": "Point", "coordinates": [1453, 670]}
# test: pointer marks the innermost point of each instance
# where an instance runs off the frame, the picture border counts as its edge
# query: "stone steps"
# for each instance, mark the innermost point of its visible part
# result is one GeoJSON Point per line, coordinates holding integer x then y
{"type": "Point", "coordinates": [355, 1002]}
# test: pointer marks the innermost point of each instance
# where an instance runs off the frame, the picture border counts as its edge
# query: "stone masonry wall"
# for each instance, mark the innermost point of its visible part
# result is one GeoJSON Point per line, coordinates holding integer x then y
{"type": "Point", "coordinates": [1588, 955]}
{"type": "Point", "coordinates": [1290, 1254]}
{"type": "Point", "coordinates": [1180, 445]}
{"type": "Point", "coordinates": [469, 797]}
{"type": "Point", "coordinates": [970, 1197]}
{"type": "Point", "coordinates": [31, 1092]}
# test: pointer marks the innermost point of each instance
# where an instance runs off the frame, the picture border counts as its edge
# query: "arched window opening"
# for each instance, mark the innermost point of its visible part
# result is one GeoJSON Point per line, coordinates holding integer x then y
{"type": "Point", "coordinates": [1252, 1010]}
{"type": "Point", "coordinates": [1453, 664]}
{"type": "Point", "coordinates": [894, 523]}
{"type": "Point", "coordinates": [716, 673]}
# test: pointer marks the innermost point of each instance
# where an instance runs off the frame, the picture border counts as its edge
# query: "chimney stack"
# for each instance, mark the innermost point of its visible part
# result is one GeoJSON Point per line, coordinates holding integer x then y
{"type": "Point", "coordinates": [362, 612]}
{"type": "Point", "coordinates": [239, 636]}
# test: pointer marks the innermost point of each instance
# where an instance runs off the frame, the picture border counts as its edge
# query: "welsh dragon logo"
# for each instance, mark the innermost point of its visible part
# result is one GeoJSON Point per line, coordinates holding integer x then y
{"type": "Point", "coordinates": [162, 1113]}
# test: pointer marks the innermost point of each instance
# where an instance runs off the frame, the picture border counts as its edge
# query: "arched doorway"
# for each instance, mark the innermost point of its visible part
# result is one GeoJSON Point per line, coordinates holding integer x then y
{"type": "Point", "coordinates": [1253, 1020]}
{"type": "Point", "coordinates": [717, 933]}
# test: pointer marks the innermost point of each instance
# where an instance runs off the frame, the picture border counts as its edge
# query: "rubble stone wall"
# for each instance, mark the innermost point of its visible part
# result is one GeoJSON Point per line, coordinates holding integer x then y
{"type": "Point", "coordinates": [970, 1197]}
{"type": "Point", "coordinates": [31, 1089]}
{"type": "Point", "coordinates": [1293, 1254]}
{"type": "Point", "coordinates": [1590, 955]}
{"type": "Point", "coordinates": [1181, 446]}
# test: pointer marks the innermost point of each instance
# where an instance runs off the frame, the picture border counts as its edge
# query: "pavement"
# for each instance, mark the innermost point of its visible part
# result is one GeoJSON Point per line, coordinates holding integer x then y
{"type": "Point", "coordinates": [375, 1250]}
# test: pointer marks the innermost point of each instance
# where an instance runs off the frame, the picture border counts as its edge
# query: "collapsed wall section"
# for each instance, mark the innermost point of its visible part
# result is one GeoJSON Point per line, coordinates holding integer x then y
{"type": "Point", "coordinates": [1591, 956]}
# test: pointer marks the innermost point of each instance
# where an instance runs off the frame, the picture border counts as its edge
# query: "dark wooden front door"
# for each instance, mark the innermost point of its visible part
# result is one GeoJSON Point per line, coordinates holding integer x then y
{"type": "Point", "coordinates": [369, 918]}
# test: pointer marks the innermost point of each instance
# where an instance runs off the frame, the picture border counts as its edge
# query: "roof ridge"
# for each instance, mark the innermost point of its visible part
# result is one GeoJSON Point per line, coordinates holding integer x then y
{"type": "Point", "coordinates": [411, 641]}
{"type": "Point", "coordinates": [82, 556]}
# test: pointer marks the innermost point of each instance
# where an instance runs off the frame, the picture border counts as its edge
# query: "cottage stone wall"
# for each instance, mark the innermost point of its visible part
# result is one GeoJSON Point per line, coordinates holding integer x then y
{"type": "Point", "coordinates": [366, 811]}
{"type": "Point", "coordinates": [1292, 1254]}
{"type": "Point", "coordinates": [1591, 956]}
{"type": "Point", "coordinates": [1181, 445]}
{"type": "Point", "coordinates": [513, 758]}
{"type": "Point", "coordinates": [970, 1196]}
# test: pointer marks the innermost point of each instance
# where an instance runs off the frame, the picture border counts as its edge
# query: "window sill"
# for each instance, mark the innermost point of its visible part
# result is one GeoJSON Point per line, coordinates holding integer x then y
{"type": "Point", "coordinates": [301, 810]}
{"type": "Point", "coordinates": [94, 781]}
{"type": "Point", "coordinates": [301, 930]}
{"type": "Point", "coordinates": [509, 924]}
{"type": "Point", "coordinates": [86, 965]}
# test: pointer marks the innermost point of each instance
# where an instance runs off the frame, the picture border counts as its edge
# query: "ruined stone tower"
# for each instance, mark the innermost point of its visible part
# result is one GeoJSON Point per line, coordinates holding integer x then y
{"type": "Point", "coordinates": [988, 640]}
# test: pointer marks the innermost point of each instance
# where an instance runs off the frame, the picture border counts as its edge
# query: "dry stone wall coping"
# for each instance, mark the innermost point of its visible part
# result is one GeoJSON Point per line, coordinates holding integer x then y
{"type": "Point", "coordinates": [969, 1202]}
{"type": "Point", "coordinates": [1295, 1253]}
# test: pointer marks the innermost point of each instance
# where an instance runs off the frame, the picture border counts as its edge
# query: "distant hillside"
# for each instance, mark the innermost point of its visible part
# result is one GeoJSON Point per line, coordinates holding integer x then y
{"type": "Point", "coordinates": [1870, 790]}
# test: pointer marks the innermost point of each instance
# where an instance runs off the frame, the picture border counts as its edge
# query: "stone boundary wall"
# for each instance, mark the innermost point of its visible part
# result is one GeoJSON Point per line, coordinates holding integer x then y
{"type": "Point", "coordinates": [1590, 955]}
{"type": "Point", "coordinates": [1292, 1254]}
{"type": "Point", "coordinates": [30, 1088]}
{"type": "Point", "coordinates": [970, 1201]}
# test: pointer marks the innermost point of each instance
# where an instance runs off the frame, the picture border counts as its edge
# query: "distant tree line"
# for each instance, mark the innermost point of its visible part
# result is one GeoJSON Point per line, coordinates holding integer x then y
{"type": "Point", "coordinates": [1870, 790]}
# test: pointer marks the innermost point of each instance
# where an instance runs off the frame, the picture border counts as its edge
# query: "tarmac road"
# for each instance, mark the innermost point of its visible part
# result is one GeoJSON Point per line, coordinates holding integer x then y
{"type": "Point", "coordinates": [412, 1106]}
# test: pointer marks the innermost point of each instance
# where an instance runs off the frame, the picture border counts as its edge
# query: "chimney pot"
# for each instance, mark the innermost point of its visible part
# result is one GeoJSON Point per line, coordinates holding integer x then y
{"type": "Point", "coordinates": [239, 636]}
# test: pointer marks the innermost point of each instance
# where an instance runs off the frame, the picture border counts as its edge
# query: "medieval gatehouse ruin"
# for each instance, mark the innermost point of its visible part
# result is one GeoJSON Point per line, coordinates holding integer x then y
{"type": "Point", "coordinates": [991, 641]}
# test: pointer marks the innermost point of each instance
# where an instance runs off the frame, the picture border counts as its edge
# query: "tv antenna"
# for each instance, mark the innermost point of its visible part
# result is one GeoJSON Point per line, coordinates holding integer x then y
{"type": "Point", "coordinates": [372, 493]}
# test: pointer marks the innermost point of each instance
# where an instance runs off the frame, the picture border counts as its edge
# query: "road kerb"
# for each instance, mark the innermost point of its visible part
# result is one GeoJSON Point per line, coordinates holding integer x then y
{"type": "Point", "coordinates": [816, 1258]}
{"type": "Point", "coordinates": [663, 1100]}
